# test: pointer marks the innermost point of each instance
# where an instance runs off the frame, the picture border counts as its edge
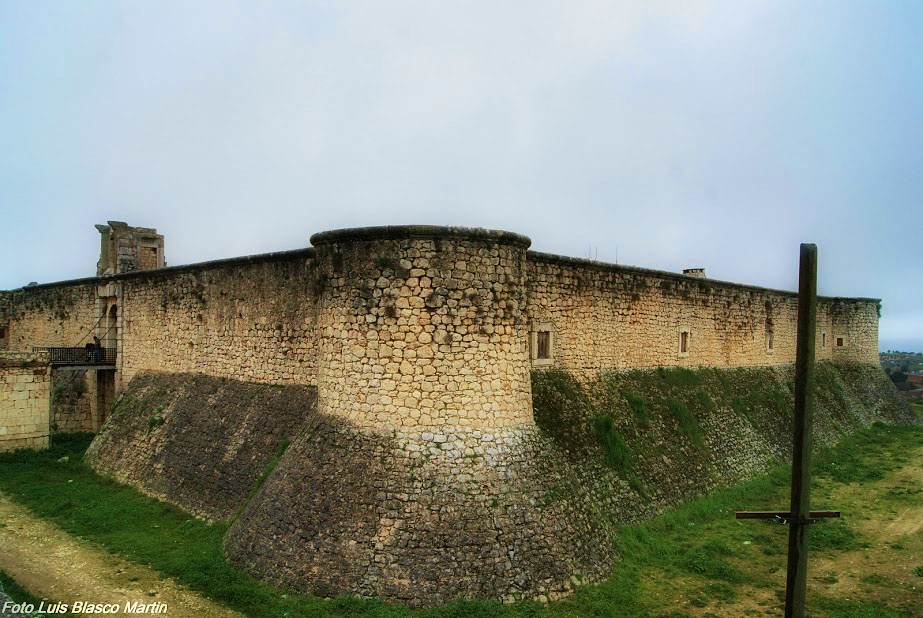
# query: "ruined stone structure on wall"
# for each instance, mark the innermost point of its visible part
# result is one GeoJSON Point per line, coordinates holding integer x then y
{"type": "Point", "coordinates": [124, 249]}
{"type": "Point", "coordinates": [418, 343]}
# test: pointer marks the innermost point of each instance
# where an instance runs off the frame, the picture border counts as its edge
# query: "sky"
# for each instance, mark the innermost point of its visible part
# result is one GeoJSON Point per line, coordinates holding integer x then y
{"type": "Point", "coordinates": [665, 135]}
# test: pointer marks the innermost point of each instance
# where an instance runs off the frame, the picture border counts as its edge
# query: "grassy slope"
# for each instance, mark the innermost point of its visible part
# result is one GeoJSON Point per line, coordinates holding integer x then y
{"type": "Point", "coordinates": [693, 560]}
{"type": "Point", "coordinates": [657, 437]}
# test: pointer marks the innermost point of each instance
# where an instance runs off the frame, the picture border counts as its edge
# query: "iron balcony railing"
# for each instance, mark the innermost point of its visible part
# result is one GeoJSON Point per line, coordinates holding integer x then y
{"type": "Point", "coordinates": [87, 355]}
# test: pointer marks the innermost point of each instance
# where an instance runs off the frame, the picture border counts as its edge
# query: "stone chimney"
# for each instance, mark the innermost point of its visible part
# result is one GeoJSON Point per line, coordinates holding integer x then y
{"type": "Point", "coordinates": [698, 273]}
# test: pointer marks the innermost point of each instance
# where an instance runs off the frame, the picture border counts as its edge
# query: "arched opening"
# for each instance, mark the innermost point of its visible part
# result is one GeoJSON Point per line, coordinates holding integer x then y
{"type": "Point", "coordinates": [111, 336]}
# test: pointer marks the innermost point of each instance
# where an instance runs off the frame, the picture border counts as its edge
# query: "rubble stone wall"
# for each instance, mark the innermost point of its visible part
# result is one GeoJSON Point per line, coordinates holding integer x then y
{"type": "Point", "coordinates": [198, 441]}
{"type": "Point", "coordinates": [421, 474]}
{"type": "Point", "coordinates": [422, 328]}
{"type": "Point", "coordinates": [606, 317]}
{"type": "Point", "coordinates": [72, 397]}
{"type": "Point", "coordinates": [52, 315]}
{"type": "Point", "coordinates": [250, 319]}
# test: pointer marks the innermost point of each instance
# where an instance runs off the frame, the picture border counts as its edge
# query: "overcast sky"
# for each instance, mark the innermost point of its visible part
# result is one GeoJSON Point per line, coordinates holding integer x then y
{"type": "Point", "coordinates": [659, 134]}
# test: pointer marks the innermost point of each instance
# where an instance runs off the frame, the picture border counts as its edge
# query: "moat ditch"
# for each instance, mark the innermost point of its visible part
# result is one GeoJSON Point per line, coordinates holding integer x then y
{"type": "Point", "coordinates": [696, 560]}
{"type": "Point", "coordinates": [711, 573]}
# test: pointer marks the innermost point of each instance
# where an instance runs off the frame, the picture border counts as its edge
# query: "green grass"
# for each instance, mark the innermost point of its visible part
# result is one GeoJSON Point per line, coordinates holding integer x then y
{"type": "Point", "coordinates": [843, 608]}
{"type": "Point", "coordinates": [679, 376]}
{"type": "Point", "coordinates": [697, 554]}
{"type": "Point", "coordinates": [638, 406]}
{"type": "Point", "coordinates": [687, 422]}
{"type": "Point", "coordinates": [615, 451]}
{"type": "Point", "coordinates": [835, 535]}
{"type": "Point", "coordinates": [867, 455]}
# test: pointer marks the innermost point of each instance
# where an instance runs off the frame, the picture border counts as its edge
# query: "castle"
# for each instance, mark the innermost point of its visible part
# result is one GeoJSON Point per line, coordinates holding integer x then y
{"type": "Point", "coordinates": [418, 343]}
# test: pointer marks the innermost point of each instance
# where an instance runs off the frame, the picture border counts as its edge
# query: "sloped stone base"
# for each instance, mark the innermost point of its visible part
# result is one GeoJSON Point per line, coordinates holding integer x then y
{"type": "Point", "coordinates": [423, 519]}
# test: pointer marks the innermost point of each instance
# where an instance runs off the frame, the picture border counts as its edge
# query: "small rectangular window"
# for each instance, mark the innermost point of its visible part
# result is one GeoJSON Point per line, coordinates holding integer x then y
{"type": "Point", "coordinates": [769, 341]}
{"type": "Point", "coordinates": [543, 340]}
{"type": "Point", "coordinates": [823, 340]}
{"type": "Point", "coordinates": [684, 342]}
{"type": "Point", "coordinates": [839, 342]}
{"type": "Point", "coordinates": [2, 332]}
{"type": "Point", "coordinates": [541, 344]}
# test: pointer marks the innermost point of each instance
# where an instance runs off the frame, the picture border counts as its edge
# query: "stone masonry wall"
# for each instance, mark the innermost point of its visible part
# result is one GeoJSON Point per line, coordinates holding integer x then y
{"type": "Point", "coordinates": [72, 397]}
{"type": "Point", "coordinates": [198, 441]}
{"type": "Point", "coordinates": [853, 330]}
{"type": "Point", "coordinates": [430, 307]}
{"type": "Point", "coordinates": [49, 315]}
{"type": "Point", "coordinates": [24, 400]}
{"type": "Point", "coordinates": [248, 319]}
{"type": "Point", "coordinates": [604, 316]}
{"type": "Point", "coordinates": [428, 479]}
{"type": "Point", "coordinates": [422, 328]}
{"type": "Point", "coordinates": [498, 515]}
{"type": "Point", "coordinates": [422, 476]}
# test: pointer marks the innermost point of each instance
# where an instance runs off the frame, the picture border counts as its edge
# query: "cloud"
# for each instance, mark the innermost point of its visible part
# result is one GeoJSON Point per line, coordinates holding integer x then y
{"type": "Point", "coordinates": [714, 134]}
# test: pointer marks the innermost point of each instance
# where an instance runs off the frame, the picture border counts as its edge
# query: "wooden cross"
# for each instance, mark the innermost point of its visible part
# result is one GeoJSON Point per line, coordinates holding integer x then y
{"type": "Point", "coordinates": [785, 517]}
{"type": "Point", "coordinates": [800, 516]}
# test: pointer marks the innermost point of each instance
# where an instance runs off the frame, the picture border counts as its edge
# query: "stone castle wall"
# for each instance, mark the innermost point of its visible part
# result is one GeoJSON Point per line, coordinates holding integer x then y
{"type": "Point", "coordinates": [603, 316]}
{"type": "Point", "coordinates": [251, 319]}
{"type": "Point", "coordinates": [439, 328]}
{"type": "Point", "coordinates": [419, 474]}
{"type": "Point", "coordinates": [56, 315]}
{"type": "Point", "coordinates": [423, 328]}
{"type": "Point", "coordinates": [73, 393]}
{"type": "Point", "coordinates": [852, 327]}
{"type": "Point", "coordinates": [24, 400]}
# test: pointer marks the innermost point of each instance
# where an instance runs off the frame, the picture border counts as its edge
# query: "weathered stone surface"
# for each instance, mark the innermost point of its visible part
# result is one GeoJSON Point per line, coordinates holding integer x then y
{"type": "Point", "coordinates": [467, 514]}
{"type": "Point", "coordinates": [744, 414]}
{"type": "Point", "coordinates": [50, 315]}
{"type": "Point", "coordinates": [197, 441]}
{"type": "Point", "coordinates": [605, 317]}
{"type": "Point", "coordinates": [25, 391]}
{"type": "Point", "coordinates": [429, 351]}
{"type": "Point", "coordinates": [72, 393]}
{"type": "Point", "coordinates": [249, 321]}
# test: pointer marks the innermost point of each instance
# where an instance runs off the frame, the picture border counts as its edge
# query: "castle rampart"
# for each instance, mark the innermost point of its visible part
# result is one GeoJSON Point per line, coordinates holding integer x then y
{"type": "Point", "coordinates": [422, 328]}
{"type": "Point", "coordinates": [59, 314]}
{"type": "Point", "coordinates": [409, 327]}
{"type": "Point", "coordinates": [398, 362]}
{"type": "Point", "coordinates": [467, 296]}
{"type": "Point", "coordinates": [247, 318]}
{"type": "Point", "coordinates": [603, 316]}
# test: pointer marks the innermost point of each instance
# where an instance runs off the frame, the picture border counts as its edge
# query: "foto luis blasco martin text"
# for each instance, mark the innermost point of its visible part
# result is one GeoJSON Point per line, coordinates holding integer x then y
{"type": "Point", "coordinates": [83, 607]}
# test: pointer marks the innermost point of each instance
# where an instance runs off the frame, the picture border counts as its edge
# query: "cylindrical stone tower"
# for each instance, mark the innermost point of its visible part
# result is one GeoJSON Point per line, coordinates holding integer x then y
{"type": "Point", "coordinates": [423, 327]}
{"type": "Point", "coordinates": [422, 476]}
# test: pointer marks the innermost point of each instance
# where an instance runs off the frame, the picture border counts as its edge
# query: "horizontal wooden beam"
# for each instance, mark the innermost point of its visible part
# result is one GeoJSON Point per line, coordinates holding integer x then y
{"type": "Point", "coordinates": [783, 514]}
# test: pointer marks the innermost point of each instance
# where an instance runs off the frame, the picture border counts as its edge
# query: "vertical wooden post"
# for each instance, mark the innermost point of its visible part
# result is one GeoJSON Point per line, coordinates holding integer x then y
{"type": "Point", "coordinates": [796, 582]}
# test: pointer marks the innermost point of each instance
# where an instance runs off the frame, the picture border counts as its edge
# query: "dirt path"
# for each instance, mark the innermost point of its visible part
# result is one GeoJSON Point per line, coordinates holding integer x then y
{"type": "Point", "coordinates": [50, 563]}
